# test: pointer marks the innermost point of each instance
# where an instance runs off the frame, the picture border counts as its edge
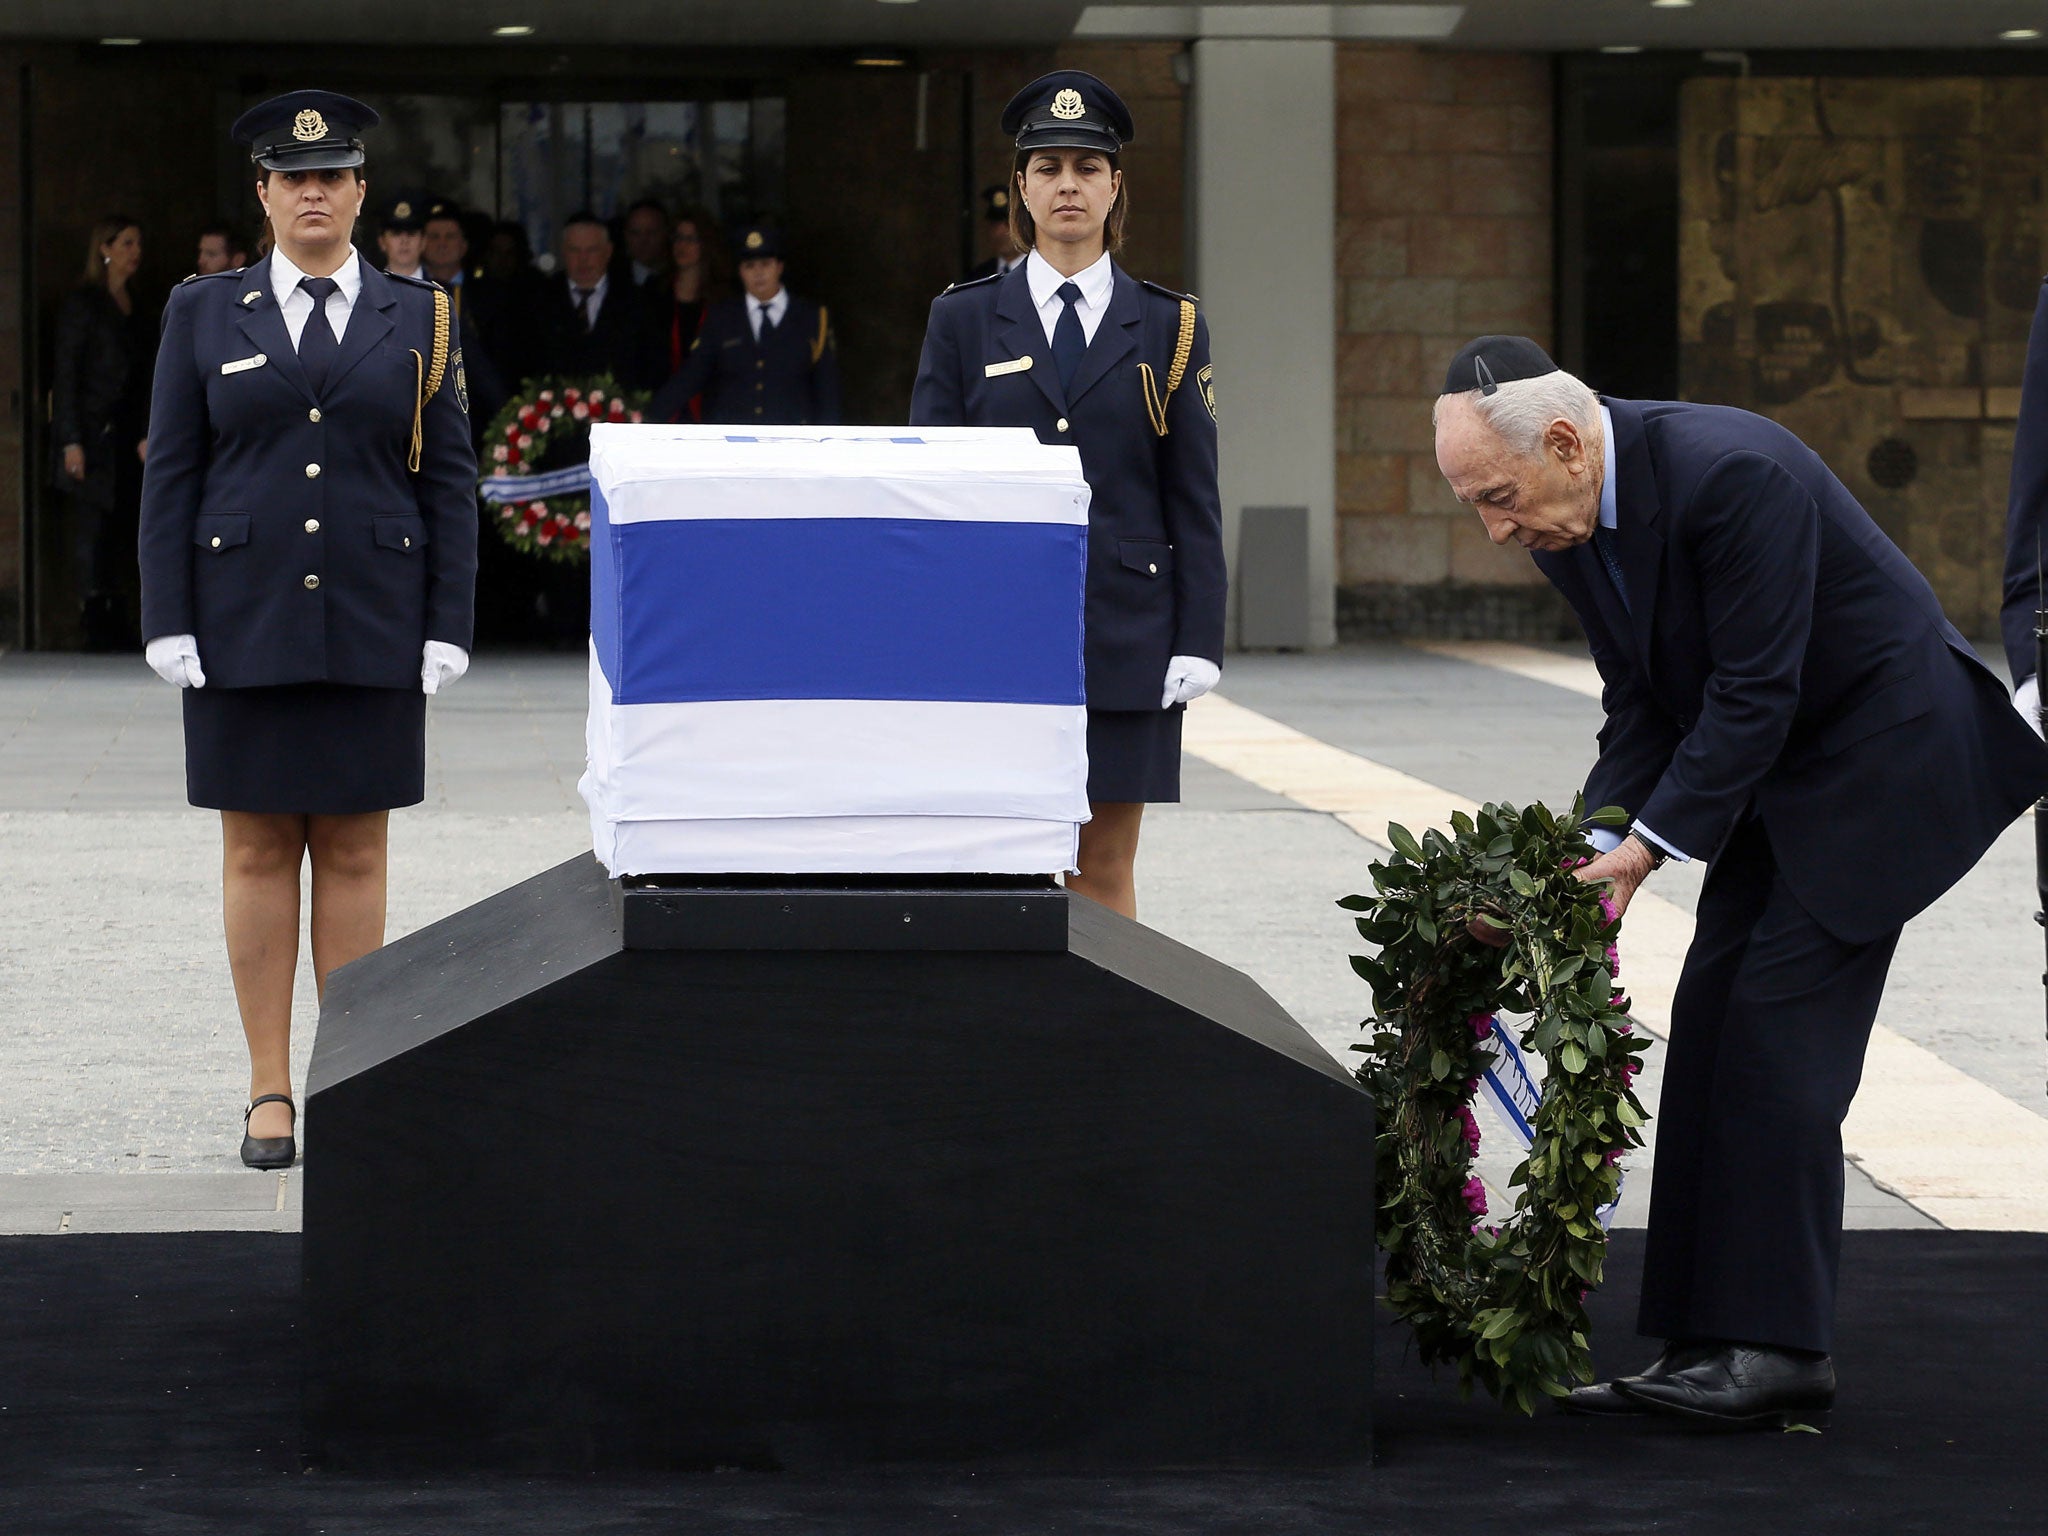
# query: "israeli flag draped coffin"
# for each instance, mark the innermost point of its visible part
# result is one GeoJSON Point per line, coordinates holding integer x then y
{"type": "Point", "coordinates": [852, 651]}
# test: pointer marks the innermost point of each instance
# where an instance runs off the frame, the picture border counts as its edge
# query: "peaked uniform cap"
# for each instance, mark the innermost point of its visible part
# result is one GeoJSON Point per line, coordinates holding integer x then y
{"type": "Point", "coordinates": [757, 241]}
{"type": "Point", "coordinates": [1068, 109]}
{"type": "Point", "coordinates": [1491, 361]}
{"type": "Point", "coordinates": [305, 131]}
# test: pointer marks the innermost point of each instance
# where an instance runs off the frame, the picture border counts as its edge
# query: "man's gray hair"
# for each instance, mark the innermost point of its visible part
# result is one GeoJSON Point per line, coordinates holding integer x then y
{"type": "Point", "coordinates": [1522, 411]}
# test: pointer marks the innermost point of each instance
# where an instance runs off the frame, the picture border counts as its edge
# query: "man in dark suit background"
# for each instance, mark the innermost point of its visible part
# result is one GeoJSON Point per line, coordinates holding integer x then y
{"type": "Point", "coordinates": [1784, 699]}
{"type": "Point", "coordinates": [590, 322]}
{"type": "Point", "coordinates": [2026, 523]}
{"type": "Point", "coordinates": [767, 359]}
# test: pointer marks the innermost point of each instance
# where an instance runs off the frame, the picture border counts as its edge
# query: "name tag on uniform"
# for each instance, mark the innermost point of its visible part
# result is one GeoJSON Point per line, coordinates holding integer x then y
{"type": "Point", "coordinates": [1014, 365]}
{"type": "Point", "coordinates": [244, 364]}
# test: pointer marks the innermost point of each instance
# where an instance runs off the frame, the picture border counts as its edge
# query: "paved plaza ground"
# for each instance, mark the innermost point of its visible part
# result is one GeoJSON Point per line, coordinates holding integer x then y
{"type": "Point", "coordinates": [122, 1072]}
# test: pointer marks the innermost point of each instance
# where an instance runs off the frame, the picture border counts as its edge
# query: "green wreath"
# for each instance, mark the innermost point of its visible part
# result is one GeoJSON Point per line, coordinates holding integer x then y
{"type": "Point", "coordinates": [1490, 919]}
{"type": "Point", "coordinates": [543, 429]}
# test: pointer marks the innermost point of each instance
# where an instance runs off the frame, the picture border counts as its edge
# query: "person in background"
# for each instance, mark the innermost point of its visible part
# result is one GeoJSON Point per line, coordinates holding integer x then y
{"type": "Point", "coordinates": [645, 234]}
{"type": "Point", "coordinates": [444, 251]}
{"type": "Point", "coordinates": [592, 323]}
{"type": "Point", "coordinates": [1076, 348]}
{"type": "Point", "coordinates": [220, 250]}
{"type": "Point", "coordinates": [308, 551]}
{"type": "Point", "coordinates": [401, 236]}
{"type": "Point", "coordinates": [99, 427]}
{"type": "Point", "coordinates": [693, 285]}
{"type": "Point", "coordinates": [999, 246]}
{"type": "Point", "coordinates": [766, 359]}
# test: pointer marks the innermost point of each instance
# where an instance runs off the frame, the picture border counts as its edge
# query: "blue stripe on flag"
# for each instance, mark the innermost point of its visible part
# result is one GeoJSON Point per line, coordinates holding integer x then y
{"type": "Point", "coordinates": [842, 608]}
{"type": "Point", "coordinates": [604, 585]}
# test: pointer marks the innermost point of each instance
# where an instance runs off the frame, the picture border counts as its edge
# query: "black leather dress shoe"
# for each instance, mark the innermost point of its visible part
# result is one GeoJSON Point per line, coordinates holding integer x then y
{"type": "Point", "coordinates": [1605, 1399]}
{"type": "Point", "coordinates": [269, 1151]}
{"type": "Point", "coordinates": [1741, 1386]}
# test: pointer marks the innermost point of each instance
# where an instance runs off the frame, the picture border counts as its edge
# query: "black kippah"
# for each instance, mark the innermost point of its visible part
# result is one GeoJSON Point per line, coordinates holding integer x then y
{"type": "Point", "coordinates": [1492, 361]}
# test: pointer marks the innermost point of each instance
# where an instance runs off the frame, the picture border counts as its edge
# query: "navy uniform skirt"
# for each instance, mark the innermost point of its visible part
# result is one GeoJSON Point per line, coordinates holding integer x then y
{"type": "Point", "coordinates": [305, 749]}
{"type": "Point", "coordinates": [1134, 755]}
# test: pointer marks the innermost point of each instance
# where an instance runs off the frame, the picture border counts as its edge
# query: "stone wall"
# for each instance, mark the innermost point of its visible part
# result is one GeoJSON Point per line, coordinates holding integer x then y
{"type": "Point", "coordinates": [1444, 232]}
{"type": "Point", "coordinates": [1860, 260]}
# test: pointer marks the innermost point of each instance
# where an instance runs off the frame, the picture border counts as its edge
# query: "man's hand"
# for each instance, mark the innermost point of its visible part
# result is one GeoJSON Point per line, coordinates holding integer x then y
{"type": "Point", "coordinates": [1624, 869]}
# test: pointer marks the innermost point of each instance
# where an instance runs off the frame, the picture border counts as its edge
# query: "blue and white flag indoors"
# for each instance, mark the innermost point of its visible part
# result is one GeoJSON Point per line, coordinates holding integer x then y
{"type": "Point", "coordinates": [836, 651]}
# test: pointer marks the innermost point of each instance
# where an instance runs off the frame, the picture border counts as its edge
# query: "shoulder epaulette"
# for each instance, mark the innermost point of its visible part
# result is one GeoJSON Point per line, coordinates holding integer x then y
{"type": "Point", "coordinates": [417, 282]}
{"type": "Point", "coordinates": [971, 282]}
{"type": "Point", "coordinates": [1170, 293]}
{"type": "Point", "coordinates": [200, 277]}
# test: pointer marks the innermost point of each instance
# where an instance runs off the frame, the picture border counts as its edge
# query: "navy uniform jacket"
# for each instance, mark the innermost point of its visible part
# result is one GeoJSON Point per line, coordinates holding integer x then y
{"type": "Point", "coordinates": [793, 381]}
{"type": "Point", "coordinates": [1156, 580]}
{"type": "Point", "coordinates": [283, 529]}
{"type": "Point", "coordinates": [1779, 653]}
{"type": "Point", "coordinates": [2026, 511]}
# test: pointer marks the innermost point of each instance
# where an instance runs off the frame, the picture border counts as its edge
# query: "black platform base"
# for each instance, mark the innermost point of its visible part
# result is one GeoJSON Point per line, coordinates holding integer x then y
{"type": "Point", "coordinates": [572, 1204]}
{"type": "Point", "coordinates": [148, 1387]}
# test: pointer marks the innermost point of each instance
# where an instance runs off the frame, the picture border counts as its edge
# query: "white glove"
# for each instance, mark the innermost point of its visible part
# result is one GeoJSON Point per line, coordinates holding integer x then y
{"type": "Point", "coordinates": [440, 664]}
{"type": "Point", "coordinates": [1189, 677]}
{"type": "Point", "coordinates": [175, 659]}
{"type": "Point", "coordinates": [2027, 700]}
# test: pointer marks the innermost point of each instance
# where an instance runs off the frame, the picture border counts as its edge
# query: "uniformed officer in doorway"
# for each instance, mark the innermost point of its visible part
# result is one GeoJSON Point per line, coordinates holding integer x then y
{"type": "Point", "coordinates": [1070, 344]}
{"type": "Point", "coordinates": [308, 565]}
{"type": "Point", "coordinates": [767, 359]}
{"type": "Point", "coordinates": [998, 244]}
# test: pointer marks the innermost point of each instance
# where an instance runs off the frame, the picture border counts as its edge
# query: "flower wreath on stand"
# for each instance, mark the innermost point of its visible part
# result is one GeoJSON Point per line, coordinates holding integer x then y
{"type": "Point", "coordinates": [536, 462]}
{"type": "Point", "coordinates": [1487, 921]}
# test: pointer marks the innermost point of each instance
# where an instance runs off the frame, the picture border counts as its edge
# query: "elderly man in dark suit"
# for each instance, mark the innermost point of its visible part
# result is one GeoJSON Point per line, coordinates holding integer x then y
{"type": "Point", "coordinates": [591, 322]}
{"type": "Point", "coordinates": [1786, 701]}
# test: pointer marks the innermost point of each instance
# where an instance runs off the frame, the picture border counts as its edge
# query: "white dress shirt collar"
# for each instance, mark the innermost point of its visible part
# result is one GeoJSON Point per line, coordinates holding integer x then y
{"type": "Point", "coordinates": [296, 304]}
{"type": "Point", "coordinates": [1096, 281]}
{"type": "Point", "coordinates": [1610, 507]}
{"type": "Point", "coordinates": [777, 307]}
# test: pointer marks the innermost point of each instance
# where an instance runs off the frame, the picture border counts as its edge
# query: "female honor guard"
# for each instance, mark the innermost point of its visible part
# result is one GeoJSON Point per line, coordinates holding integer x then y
{"type": "Point", "coordinates": [308, 566]}
{"type": "Point", "coordinates": [1071, 345]}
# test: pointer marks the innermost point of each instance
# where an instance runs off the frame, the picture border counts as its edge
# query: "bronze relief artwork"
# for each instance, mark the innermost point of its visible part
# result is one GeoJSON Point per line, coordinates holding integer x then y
{"type": "Point", "coordinates": [1860, 260]}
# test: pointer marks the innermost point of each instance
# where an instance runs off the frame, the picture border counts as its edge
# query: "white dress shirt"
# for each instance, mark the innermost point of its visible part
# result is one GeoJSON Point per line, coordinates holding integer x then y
{"type": "Point", "coordinates": [1096, 282]}
{"type": "Point", "coordinates": [596, 300]}
{"type": "Point", "coordinates": [296, 304]}
{"type": "Point", "coordinates": [776, 307]}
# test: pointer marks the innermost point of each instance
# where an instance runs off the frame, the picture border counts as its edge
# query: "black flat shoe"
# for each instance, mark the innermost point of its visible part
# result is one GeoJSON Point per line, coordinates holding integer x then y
{"type": "Point", "coordinates": [269, 1151]}
{"type": "Point", "coordinates": [1742, 1386]}
{"type": "Point", "coordinates": [1606, 1400]}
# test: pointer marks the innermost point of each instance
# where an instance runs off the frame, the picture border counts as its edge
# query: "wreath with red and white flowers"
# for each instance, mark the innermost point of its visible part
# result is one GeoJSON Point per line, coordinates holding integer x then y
{"type": "Point", "coordinates": [543, 434]}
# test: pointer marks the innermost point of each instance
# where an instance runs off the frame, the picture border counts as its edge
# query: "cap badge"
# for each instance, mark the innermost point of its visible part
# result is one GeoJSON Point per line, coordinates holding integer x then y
{"type": "Point", "coordinates": [1067, 106]}
{"type": "Point", "coordinates": [401, 210]}
{"type": "Point", "coordinates": [753, 240]}
{"type": "Point", "coordinates": [1002, 199]}
{"type": "Point", "coordinates": [308, 126]}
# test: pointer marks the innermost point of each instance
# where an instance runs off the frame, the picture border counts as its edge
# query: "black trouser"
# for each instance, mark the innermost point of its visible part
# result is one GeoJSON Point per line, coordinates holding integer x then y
{"type": "Point", "coordinates": [1768, 1030]}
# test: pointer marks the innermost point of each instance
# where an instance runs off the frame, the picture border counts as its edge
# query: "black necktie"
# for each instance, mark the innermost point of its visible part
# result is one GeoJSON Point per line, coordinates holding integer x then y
{"type": "Point", "coordinates": [583, 307]}
{"type": "Point", "coordinates": [767, 325]}
{"type": "Point", "coordinates": [1068, 340]}
{"type": "Point", "coordinates": [317, 346]}
{"type": "Point", "coordinates": [1603, 541]}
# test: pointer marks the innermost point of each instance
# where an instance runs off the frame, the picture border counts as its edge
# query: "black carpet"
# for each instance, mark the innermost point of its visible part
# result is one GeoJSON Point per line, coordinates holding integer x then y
{"type": "Point", "coordinates": [149, 1385]}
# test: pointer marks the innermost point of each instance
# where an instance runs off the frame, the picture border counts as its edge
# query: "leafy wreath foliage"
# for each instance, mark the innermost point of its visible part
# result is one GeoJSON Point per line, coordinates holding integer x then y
{"type": "Point", "coordinates": [546, 426]}
{"type": "Point", "coordinates": [1489, 920]}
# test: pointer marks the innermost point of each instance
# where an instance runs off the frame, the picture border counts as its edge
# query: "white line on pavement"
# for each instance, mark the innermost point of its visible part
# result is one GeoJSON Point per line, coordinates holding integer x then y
{"type": "Point", "coordinates": [1958, 1151]}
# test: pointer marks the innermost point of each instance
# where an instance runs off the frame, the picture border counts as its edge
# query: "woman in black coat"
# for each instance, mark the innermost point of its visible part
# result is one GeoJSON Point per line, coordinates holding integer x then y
{"type": "Point", "coordinates": [1070, 344]}
{"type": "Point", "coordinates": [99, 427]}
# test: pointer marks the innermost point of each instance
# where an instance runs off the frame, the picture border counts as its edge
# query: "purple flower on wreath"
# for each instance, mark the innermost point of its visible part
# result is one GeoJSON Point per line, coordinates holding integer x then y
{"type": "Point", "coordinates": [1613, 1157]}
{"type": "Point", "coordinates": [1471, 1086]}
{"type": "Point", "coordinates": [1471, 1123]}
{"type": "Point", "coordinates": [1474, 1194]}
{"type": "Point", "coordinates": [1482, 1025]}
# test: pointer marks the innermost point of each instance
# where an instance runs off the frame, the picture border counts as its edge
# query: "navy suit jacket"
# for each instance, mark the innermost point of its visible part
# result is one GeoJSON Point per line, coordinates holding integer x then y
{"type": "Point", "coordinates": [1156, 579]}
{"type": "Point", "coordinates": [236, 517]}
{"type": "Point", "coordinates": [1779, 654]}
{"type": "Point", "coordinates": [2026, 508]}
{"type": "Point", "coordinates": [793, 381]}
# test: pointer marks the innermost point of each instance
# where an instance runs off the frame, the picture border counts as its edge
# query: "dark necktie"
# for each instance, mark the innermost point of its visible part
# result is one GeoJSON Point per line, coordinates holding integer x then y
{"type": "Point", "coordinates": [1603, 540]}
{"type": "Point", "coordinates": [767, 325]}
{"type": "Point", "coordinates": [1069, 342]}
{"type": "Point", "coordinates": [317, 346]}
{"type": "Point", "coordinates": [583, 307]}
